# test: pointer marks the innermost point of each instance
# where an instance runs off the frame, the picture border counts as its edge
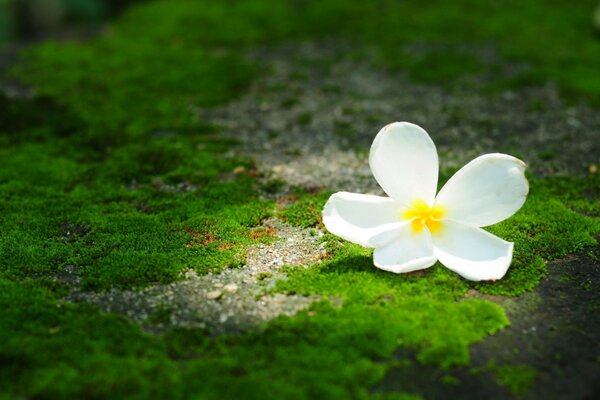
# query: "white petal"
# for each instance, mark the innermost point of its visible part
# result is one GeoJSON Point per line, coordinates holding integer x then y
{"type": "Point", "coordinates": [472, 252]}
{"type": "Point", "coordinates": [404, 161]}
{"type": "Point", "coordinates": [487, 190]}
{"type": "Point", "coordinates": [407, 252]}
{"type": "Point", "coordinates": [360, 217]}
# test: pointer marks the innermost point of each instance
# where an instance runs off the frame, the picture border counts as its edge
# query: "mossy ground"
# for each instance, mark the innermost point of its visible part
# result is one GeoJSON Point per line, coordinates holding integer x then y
{"type": "Point", "coordinates": [110, 169]}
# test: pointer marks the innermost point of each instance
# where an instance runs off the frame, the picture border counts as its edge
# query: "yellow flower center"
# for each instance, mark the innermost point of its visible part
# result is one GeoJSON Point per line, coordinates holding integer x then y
{"type": "Point", "coordinates": [422, 215]}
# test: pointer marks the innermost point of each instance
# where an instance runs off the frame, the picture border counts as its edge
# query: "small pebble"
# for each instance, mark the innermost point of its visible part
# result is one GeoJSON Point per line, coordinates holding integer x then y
{"type": "Point", "coordinates": [231, 287]}
{"type": "Point", "coordinates": [214, 294]}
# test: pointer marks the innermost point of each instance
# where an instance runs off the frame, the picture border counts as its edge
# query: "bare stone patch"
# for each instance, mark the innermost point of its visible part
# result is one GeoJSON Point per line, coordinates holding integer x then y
{"type": "Point", "coordinates": [232, 301]}
{"type": "Point", "coordinates": [312, 117]}
{"type": "Point", "coordinates": [334, 167]}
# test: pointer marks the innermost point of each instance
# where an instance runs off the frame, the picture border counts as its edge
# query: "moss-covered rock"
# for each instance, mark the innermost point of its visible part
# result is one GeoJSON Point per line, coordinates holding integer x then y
{"type": "Point", "coordinates": [111, 172]}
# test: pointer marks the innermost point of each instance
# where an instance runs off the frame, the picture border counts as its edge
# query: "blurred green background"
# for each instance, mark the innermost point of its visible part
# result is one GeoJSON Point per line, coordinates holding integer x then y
{"type": "Point", "coordinates": [23, 19]}
{"type": "Point", "coordinates": [558, 40]}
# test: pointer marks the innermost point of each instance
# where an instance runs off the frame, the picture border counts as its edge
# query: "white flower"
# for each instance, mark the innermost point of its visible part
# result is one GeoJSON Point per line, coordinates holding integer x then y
{"type": "Point", "coordinates": [413, 228]}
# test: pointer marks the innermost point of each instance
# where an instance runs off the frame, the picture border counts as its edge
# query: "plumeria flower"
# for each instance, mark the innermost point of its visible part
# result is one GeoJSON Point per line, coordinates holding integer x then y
{"type": "Point", "coordinates": [413, 228]}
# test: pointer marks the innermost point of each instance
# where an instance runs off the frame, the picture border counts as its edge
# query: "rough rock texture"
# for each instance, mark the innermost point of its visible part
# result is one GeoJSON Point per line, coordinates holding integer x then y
{"type": "Point", "coordinates": [311, 119]}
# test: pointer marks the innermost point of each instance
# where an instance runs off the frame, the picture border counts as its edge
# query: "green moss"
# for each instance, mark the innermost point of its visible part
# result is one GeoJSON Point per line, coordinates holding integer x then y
{"type": "Point", "coordinates": [56, 349]}
{"type": "Point", "coordinates": [513, 26]}
{"type": "Point", "coordinates": [305, 118]}
{"type": "Point", "coordinates": [5, 23]}
{"type": "Point", "coordinates": [518, 378]}
{"type": "Point", "coordinates": [450, 65]}
{"type": "Point", "coordinates": [391, 310]}
{"type": "Point", "coordinates": [134, 229]}
{"type": "Point", "coordinates": [306, 211]}
{"type": "Point", "coordinates": [395, 396]}
{"type": "Point", "coordinates": [111, 171]}
{"type": "Point", "coordinates": [162, 315]}
{"type": "Point", "coordinates": [104, 84]}
{"type": "Point", "coordinates": [545, 229]}
{"type": "Point", "coordinates": [549, 226]}
{"type": "Point", "coordinates": [434, 36]}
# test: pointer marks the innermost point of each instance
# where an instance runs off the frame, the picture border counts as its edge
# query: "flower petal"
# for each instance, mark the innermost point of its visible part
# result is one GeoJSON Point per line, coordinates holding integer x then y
{"type": "Point", "coordinates": [404, 161]}
{"type": "Point", "coordinates": [360, 217]}
{"type": "Point", "coordinates": [407, 252]}
{"type": "Point", "coordinates": [472, 252]}
{"type": "Point", "coordinates": [486, 191]}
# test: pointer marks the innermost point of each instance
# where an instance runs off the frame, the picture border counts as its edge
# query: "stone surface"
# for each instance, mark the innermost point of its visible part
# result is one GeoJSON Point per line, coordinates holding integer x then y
{"type": "Point", "coordinates": [311, 119]}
